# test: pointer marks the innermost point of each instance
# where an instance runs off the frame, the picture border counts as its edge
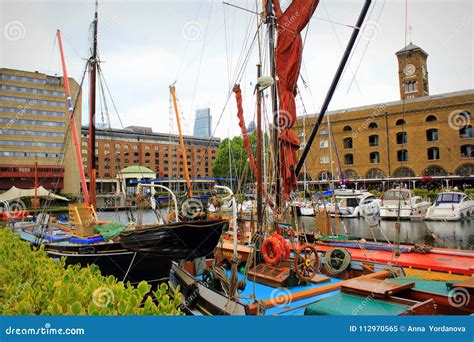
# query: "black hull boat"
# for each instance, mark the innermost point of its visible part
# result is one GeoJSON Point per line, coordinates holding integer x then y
{"type": "Point", "coordinates": [185, 240]}
{"type": "Point", "coordinates": [110, 257]}
{"type": "Point", "coordinates": [113, 259]}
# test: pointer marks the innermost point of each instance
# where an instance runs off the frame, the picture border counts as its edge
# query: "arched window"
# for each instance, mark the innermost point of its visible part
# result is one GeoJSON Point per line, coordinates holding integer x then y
{"type": "Point", "coordinates": [301, 177]}
{"type": "Point", "coordinates": [434, 171]}
{"type": "Point", "coordinates": [402, 138]}
{"type": "Point", "coordinates": [403, 172]}
{"type": "Point", "coordinates": [347, 142]}
{"type": "Point", "coordinates": [373, 125]}
{"type": "Point", "coordinates": [400, 122]}
{"type": "Point", "coordinates": [465, 170]}
{"type": "Point", "coordinates": [324, 131]}
{"type": "Point", "coordinates": [325, 175]}
{"type": "Point", "coordinates": [433, 153]}
{"type": "Point", "coordinates": [432, 134]}
{"type": "Point", "coordinates": [350, 174]}
{"type": "Point", "coordinates": [347, 129]}
{"type": "Point", "coordinates": [467, 151]}
{"type": "Point", "coordinates": [374, 157]}
{"type": "Point", "coordinates": [374, 140]}
{"type": "Point", "coordinates": [349, 159]}
{"type": "Point", "coordinates": [374, 174]}
{"type": "Point", "coordinates": [466, 132]}
{"type": "Point", "coordinates": [431, 118]}
{"type": "Point", "coordinates": [402, 155]}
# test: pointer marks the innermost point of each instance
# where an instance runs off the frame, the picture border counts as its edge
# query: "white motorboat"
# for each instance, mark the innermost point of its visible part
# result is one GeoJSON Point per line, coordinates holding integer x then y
{"type": "Point", "coordinates": [354, 203]}
{"type": "Point", "coordinates": [400, 203]}
{"type": "Point", "coordinates": [451, 206]}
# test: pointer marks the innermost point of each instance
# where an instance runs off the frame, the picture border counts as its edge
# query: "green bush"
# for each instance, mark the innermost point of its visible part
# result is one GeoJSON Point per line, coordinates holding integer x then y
{"type": "Point", "coordinates": [469, 192]}
{"type": "Point", "coordinates": [31, 283]}
{"type": "Point", "coordinates": [376, 193]}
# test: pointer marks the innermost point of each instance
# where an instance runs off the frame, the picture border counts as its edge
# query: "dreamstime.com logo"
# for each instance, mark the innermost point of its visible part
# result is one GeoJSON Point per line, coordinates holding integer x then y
{"type": "Point", "coordinates": [191, 208]}
{"type": "Point", "coordinates": [14, 30]}
{"type": "Point", "coordinates": [280, 297]}
{"type": "Point", "coordinates": [192, 31]}
{"type": "Point", "coordinates": [102, 297]}
{"type": "Point", "coordinates": [459, 297]}
{"type": "Point", "coordinates": [457, 119]}
{"type": "Point", "coordinates": [46, 330]}
{"type": "Point", "coordinates": [14, 209]}
{"type": "Point", "coordinates": [370, 31]}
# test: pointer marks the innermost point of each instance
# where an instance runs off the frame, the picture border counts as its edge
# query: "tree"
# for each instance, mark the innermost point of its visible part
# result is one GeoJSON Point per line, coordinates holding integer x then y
{"type": "Point", "coordinates": [232, 160]}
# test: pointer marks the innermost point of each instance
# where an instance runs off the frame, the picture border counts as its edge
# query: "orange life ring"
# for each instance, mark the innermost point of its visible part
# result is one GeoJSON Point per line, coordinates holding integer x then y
{"type": "Point", "coordinates": [272, 251]}
{"type": "Point", "coordinates": [286, 249]}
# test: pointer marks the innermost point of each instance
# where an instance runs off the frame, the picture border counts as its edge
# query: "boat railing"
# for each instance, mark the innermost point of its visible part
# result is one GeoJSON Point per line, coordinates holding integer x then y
{"type": "Point", "coordinates": [173, 196]}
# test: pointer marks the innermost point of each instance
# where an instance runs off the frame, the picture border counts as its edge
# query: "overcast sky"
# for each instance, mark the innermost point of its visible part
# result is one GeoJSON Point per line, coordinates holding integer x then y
{"type": "Point", "coordinates": [147, 45]}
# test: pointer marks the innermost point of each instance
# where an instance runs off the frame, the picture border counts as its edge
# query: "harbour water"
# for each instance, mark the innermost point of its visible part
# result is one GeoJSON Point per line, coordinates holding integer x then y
{"type": "Point", "coordinates": [447, 234]}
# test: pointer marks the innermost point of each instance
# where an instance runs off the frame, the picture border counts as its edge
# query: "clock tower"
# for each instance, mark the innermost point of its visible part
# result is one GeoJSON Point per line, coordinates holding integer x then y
{"type": "Point", "coordinates": [412, 72]}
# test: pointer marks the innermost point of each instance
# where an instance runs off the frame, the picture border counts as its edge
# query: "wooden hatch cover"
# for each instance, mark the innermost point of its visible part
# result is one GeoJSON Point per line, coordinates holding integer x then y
{"type": "Point", "coordinates": [467, 284]}
{"type": "Point", "coordinates": [374, 287]}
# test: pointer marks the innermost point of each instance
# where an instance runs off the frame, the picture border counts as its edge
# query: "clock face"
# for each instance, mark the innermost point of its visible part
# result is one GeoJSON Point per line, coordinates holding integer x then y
{"type": "Point", "coordinates": [409, 69]}
{"type": "Point", "coordinates": [423, 68]}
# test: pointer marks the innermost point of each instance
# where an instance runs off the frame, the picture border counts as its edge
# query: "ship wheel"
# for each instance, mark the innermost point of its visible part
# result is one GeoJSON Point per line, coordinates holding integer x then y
{"type": "Point", "coordinates": [306, 262]}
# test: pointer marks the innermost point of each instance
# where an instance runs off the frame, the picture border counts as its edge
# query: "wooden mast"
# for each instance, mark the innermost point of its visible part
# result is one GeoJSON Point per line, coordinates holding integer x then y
{"type": "Point", "coordinates": [181, 142]}
{"type": "Point", "coordinates": [73, 123]}
{"type": "Point", "coordinates": [270, 20]}
{"type": "Point", "coordinates": [92, 108]}
{"type": "Point", "coordinates": [259, 154]}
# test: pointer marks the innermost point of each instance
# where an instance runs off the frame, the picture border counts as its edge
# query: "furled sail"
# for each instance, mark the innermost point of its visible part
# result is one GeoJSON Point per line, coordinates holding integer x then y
{"type": "Point", "coordinates": [288, 56]}
{"type": "Point", "coordinates": [248, 147]}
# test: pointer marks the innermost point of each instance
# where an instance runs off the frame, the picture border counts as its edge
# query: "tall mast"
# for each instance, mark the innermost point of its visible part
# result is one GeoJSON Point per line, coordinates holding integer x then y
{"type": "Point", "coordinates": [92, 105]}
{"type": "Point", "coordinates": [73, 122]}
{"type": "Point", "coordinates": [259, 153]}
{"type": "Point", "coordinates": [181, 142]}
{"type": "Point", "coordinates": [270, 19]}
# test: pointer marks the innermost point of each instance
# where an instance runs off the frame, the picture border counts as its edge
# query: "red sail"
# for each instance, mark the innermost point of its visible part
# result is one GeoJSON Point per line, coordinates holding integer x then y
{"type": "Point", "coordinates": [248, 148]}
{"type": "Point", "coordinates": [289, 49]}
{"type": "Point", "coordinates": [240, 115]}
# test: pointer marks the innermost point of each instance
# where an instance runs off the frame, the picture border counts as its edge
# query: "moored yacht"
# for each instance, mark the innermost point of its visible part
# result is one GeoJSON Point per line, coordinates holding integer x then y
{"type": "Point", "coordinates": [400, 203]}
{"type": "Point", "coordinates": [451, 206]}
{"type": "Point", "coordinates": [354, 203]}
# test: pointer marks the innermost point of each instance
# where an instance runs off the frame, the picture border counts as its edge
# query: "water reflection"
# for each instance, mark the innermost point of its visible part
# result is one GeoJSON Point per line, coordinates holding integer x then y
{"type": "Point", "coordinates": [437, 234]}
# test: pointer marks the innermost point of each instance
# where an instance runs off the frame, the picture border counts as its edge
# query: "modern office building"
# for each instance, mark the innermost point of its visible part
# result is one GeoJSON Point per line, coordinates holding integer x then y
{"type": "Point", "coordinates": [34, 131]}
{"type": "Point", "coordinates": [420, 137]}
{"type": "Point", "coordinates": [202, 123]}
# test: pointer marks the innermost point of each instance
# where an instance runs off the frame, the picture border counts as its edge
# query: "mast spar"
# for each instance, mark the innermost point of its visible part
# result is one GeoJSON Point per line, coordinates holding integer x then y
{"type": "Point", "coordinates": [73, 122]}
{"type": "Point", "coordinates": [270, 20]}
{"type": "Point", "coordinates": [92, 109]}
{"type": "Point", "coordinates": [181, 142]}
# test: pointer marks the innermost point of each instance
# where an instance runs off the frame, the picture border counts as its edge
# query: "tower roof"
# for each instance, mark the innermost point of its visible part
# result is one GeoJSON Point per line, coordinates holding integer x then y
{"type": "Point", "coordinates": [411, 47]}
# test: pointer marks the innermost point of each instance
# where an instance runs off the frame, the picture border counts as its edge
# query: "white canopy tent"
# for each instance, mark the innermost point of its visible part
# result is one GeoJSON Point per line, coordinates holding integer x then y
{"type": "Point", "coordinates": [15, 193]}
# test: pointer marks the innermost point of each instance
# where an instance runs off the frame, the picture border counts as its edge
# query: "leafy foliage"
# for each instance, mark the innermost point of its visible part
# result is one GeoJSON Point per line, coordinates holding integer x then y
{"type": "Point", "coordinates": [31, 283]}
{"type": "Point", "coordinates": [232, 159]}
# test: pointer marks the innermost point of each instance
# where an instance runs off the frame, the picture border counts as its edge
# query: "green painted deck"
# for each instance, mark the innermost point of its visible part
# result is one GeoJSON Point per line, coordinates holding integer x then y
{"type": "Point", "coordinates": [343, 304]}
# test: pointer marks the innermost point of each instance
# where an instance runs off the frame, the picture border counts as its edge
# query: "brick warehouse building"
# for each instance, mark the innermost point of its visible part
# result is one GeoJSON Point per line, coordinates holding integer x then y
{"type": "Point", "coordinates": [34, 120]}
{"type": "Point", "coordinates": [420, 137]}
{"type": "Point", "coordinates": [117, 149]}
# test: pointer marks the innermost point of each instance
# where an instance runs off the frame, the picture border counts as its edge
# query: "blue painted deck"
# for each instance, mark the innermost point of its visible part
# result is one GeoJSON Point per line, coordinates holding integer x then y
{"type": "Point", "coordinates": [264, 292]}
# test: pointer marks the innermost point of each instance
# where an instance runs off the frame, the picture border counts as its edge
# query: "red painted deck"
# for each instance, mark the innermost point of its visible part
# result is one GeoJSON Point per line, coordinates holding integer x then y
{"type": "Point", "coordinates": [433, 261]}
